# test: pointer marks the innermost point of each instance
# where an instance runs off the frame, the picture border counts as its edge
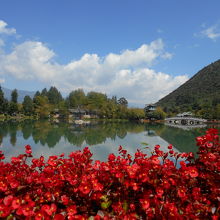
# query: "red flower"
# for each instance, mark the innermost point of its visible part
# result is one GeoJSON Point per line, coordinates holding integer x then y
{"type": "Point", "coordinates": [170, 147]}
{"type": "Point", "coordinates": [65, 199]}
{"type": "Point", "coordinates": [28, 149]}
{"type": "Point", "coordinates": [50, 210]}
{"type": "Point", "coordinates": [85, 189]}
{"type": "Point", "coordinates": [182, 192]}
{"type": "Point", "coordinates": [27, 210]}
{"type": "Point", "coordinates": [40, 215]}
{"type": "Point", "coordinates": [145, 204]}
{"type": "Point", "coordinates": [16, 203]}
{"type": "Point", "coordinates": [58, 217]}
{"type": "Point", "coordinates": [193, 172]}
{"type": "Point", "coordinates": [155, 160]}
{"type": "Point", "coordinates": [71, 210]}
{"type": "Point", "coordinates": [111, 157]}
{"type": "Point", "coordinates": [8, 200]}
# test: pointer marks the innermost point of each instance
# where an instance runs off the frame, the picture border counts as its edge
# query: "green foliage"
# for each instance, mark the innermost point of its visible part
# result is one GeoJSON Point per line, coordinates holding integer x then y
{"type": "Point", "coordinates": [96, 100]}
{"type": "Point", "coordinates": [54, 96]}
{"type": "Point", "coordinates": [63, 109]}
{"type": "Point", "coordinates": [202, 88]}
{"type": "Point", "coordinates": [14, 96]}
{"type": "Point", "coordinates": [136, 113]}
{"type": "Point", "coordinates": [42, 106]}
{"type": "Point", "coordinates": [123, 101]}
{"type": "Point", "coordinates": [49, 102]}
{"type": "Point", "coordinates": [28, 105]}
{"type": "Point", "coordinates": [77, 98]}
{"type": "Point", "coordinates": [3, 102]}
{"type": "Point", "coordinates": [158, 114]}
{"type": "Point", "coordinates": [13, 108]}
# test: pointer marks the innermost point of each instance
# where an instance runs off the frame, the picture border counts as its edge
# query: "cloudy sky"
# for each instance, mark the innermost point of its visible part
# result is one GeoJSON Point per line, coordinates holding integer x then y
{"type": "Point", "coordinates": [139, 49]}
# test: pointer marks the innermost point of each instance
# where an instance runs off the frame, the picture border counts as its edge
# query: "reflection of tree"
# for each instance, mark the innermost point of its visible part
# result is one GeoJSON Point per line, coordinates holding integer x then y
{"type": "Point", "coordinates": [3, 131]}
{"type": "Point", "coordinates": [53, 137]}
{"type": "Point", "coordinates": [50, 134]}
{"type": "Point", "coordinates": [14, 126]}
{"type": "Point", "coordinates": [27, 128]}
{"type": "Point", "coordinates": [47, 133]}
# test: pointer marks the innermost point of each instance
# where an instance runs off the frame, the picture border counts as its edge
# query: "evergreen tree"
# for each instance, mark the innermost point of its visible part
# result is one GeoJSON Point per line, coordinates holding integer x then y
{"type": "Point", "coordinates": [13, 106]}
{"type": "Point", "coordinates": [28, 106]}
{"type": "Point", "coordinates": [44, 92]}
{"type": "Point", "coordinates": [37, 94]}
{"type": "Point", "coordinates": [54, 96]}
{"type": "Point", "coordinates": [14, 96]}
{"type": "Point", "coordinates": [2, 100]}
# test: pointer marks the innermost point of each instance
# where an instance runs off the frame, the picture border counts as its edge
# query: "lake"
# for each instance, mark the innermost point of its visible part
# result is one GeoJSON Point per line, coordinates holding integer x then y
{"type": "Point", "coordinates": [49, 138]}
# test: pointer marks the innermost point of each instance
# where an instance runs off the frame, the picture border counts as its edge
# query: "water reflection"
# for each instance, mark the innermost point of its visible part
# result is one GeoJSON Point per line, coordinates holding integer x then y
{"type": "Point", "coordinates": [48, 135]}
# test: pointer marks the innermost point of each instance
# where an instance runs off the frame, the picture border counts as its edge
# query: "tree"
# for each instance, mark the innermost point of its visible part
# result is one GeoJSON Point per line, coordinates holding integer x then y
{"type": "Point", "coordinates": [37, 94]}
{"type": "Point", "coordinates": [123, 101]}
{"type": "Point", "coordinates": [42, 106]}
{"type": "Point", "coordinates": [114, 99]}
{"type": "Point", "coordinates": [54, 96]}
{"type": "Point", "coordinates": [63, 109]}
{"type": "Point", "coordinates": [77, 98]}
{"type": "Point", "coordinates": [136, 113]}
{"type": "Point", "coordinates": [13, 106]}
{"type": "Point", "coordinates": [44, 92]}
{"type": "Point", "coordinates": [28, 106]}
{"type": "Point", "coordinates": [14, 96]}
{"type": "Point", "coordinates": [96, 100]}
{"type": "Point", "coordinates": [158, 114]}
{"type": "Point", "coordinates": [2, 100]}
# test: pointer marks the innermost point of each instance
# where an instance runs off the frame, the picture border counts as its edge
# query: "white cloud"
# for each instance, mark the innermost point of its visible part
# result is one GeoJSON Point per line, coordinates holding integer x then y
{"type": "Point", "coordinates": [129, 73]}
{"type": "Point", "coordinates": [212, 32]}
{"type": "Point", "coordinates": [5, 30]}
{"type": "Point", "coordinates": [167, 56]}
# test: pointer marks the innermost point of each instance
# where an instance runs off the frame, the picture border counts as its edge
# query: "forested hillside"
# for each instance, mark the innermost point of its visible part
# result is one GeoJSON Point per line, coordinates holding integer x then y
{"type": "Point", "coordinates": [200, 94]}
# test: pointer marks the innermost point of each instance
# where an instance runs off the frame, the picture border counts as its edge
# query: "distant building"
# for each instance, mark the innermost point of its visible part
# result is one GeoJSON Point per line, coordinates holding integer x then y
{"type": "Point", "coordinates": [150, 107]}
{"type": "Point", "coordinates": [185, 114]}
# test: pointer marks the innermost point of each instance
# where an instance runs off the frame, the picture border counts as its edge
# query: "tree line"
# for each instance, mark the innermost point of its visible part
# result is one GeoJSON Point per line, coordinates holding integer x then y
{"type": "Point", "coordinates": [46, 102]}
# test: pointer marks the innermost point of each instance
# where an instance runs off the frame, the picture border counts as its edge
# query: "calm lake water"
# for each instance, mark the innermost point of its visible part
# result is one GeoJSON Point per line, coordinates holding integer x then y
{"type": "Point", "coordinates": [48, 138]}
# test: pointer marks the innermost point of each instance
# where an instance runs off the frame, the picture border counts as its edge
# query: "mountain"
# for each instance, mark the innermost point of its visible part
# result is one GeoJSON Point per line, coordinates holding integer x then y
{"type": "Point", "coordinates": [21, 94]}
{"type": "Point", "coordinates": [203, 89]}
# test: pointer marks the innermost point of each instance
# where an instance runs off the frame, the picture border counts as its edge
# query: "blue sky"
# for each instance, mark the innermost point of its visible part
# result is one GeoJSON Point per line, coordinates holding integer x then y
{"type": "Point", "coordinates": [138, 49]}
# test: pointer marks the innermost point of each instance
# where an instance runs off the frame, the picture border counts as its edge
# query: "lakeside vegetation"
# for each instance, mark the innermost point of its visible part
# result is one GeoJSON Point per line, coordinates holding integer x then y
{"type": "Point", "coordinates": [50, 103]}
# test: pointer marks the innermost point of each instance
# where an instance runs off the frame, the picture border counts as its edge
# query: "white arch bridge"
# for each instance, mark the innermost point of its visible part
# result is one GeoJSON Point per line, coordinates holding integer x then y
{"type": "Point", "coordinates": [185, 121]}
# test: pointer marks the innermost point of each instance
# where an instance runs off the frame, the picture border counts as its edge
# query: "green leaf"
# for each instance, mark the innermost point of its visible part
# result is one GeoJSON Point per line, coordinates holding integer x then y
{"type": "Point", "coordinates": [105, 205]}
{"type": "Point", "coordinates": [125, 205]}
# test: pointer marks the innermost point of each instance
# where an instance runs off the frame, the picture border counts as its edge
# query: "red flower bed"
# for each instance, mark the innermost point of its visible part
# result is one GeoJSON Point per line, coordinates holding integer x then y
{"type": "Point", "coordinates": [143, 187]}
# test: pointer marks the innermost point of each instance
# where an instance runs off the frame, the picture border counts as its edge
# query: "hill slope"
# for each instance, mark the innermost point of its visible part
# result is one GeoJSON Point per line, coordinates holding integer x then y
{"type": "Point", "coordinates": [202, 89]}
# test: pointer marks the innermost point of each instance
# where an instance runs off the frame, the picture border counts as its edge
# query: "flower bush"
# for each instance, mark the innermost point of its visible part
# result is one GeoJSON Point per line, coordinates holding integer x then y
{"type": "Point", "coordinates": [144, 187]}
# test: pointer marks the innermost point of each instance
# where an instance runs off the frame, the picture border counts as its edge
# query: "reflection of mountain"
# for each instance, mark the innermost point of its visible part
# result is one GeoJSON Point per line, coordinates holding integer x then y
{"type": "Point", "coordinates": [47, 133]}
